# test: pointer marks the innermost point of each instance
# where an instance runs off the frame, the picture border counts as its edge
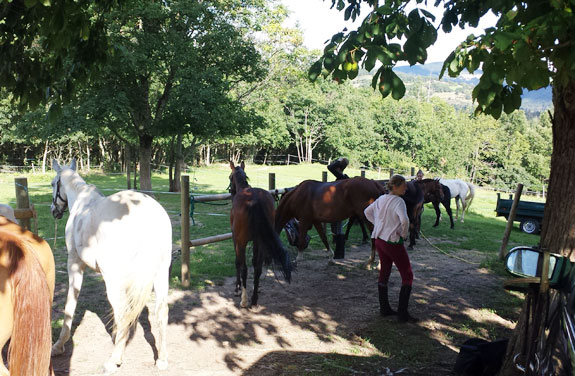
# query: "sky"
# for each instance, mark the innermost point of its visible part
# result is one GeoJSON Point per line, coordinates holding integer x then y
{"type": "Point", "coordinates": [319, 23]}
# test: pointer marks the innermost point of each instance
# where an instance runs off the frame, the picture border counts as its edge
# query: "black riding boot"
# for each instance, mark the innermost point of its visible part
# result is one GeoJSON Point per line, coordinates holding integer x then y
{"type": "Point", "coordinates": [384, 308]}
{"type": "Point", "coordinates": [402, 314]}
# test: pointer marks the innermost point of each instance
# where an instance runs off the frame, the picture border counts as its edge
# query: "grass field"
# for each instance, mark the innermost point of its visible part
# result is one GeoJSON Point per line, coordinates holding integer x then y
{"type": "Point", "coordinates": [481, 231]}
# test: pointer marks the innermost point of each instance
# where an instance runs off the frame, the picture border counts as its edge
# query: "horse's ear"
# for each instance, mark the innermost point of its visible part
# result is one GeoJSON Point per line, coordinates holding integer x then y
{"type": "Point", "coordinates": [73, 165]}
{"type": "Point", "coordinates": [243, 165]}
{"type": "Point", "coordinates": [55, 166]}
{"type": "Point", "coordinates": [232, 165]}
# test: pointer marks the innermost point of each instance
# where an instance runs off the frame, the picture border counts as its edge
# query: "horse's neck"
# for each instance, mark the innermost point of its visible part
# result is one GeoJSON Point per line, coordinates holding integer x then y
{"type": "Point", "coordinates": [80, 194]}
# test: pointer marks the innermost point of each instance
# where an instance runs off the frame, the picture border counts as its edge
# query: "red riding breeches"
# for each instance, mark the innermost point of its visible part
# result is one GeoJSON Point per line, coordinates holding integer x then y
{"type": "Point", "coordinates": [390, 254]}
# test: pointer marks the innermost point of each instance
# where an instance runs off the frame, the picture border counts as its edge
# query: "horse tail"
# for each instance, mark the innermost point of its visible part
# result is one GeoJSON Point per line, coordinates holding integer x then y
{"type": "Point", "coordinates": [137, 293]}
{"type": "Point", "coordinates": [29, 350]}
{"type": "Point", "coordinates": [470, 195]}
{"type": "Point", "coordinates": [266, 239]}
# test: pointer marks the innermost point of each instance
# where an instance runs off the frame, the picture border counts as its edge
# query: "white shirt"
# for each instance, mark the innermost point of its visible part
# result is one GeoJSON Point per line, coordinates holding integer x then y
{"type": "Point", "coordinates": [389, 217]}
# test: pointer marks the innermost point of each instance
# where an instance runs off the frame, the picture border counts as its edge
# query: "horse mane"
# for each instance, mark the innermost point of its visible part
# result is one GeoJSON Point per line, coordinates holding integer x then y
{"type": "Point", "coordinates": [77, 183]}
{"type": "Point", "coordinates": [240, 177]}
{"type": "Point", "coordinates": [29, 349]}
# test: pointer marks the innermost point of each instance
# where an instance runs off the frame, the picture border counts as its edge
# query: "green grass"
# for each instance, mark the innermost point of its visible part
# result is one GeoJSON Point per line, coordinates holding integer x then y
{"type": "Point", "coordinates": [210, 264]}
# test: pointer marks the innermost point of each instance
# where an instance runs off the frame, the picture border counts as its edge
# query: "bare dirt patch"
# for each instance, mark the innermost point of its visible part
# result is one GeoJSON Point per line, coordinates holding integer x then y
{"type": "Point", "coordinates": [325, 321]}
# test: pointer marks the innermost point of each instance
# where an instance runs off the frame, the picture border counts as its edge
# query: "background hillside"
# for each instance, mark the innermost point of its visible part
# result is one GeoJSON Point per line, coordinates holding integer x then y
{"type": "Point", "coordinates": [422, 82]}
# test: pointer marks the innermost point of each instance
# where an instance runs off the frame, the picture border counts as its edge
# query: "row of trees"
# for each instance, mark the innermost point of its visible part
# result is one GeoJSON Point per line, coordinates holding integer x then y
{"type": "Point", "coordinates": [229, 80]}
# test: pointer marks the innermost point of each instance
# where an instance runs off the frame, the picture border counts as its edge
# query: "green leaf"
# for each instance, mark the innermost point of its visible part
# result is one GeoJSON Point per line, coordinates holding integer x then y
{"type": "Point", "coordinates": [427, 14]}
{"type": "Point", "coordinates": [315, 70]}
{"type": "Point", "coordinates": [370, 60]}
{"type": "Point", "coordinates": [446, 63]}
{"type": "Point", "coordinates": [375, 78]}
{"type": "Point", "coordinates": [398, 88]}
{"type": "Point", "coordinates": [503, 40]}
{"type": "Point", "coordinates": [30, 3]}
{"type": "Point", "coordinates": [384, 10]}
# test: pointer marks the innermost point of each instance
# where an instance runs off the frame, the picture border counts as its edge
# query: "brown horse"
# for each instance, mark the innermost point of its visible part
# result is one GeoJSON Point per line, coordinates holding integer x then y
{"type": "Point", "coordinates": [313, 203]}
{"type": "Point", "coordinates": [252, 218]}
{"type": "Point", "coordinates": [26, 292]}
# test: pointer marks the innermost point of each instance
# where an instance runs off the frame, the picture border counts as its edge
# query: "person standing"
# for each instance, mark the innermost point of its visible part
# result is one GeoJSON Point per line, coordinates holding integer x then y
{"type": "Point", "coordinates": [336, 168]}
{"type": "Point", "coordinates": [419, 175]}
{"type": "Point", "coordinates": [390, 227]}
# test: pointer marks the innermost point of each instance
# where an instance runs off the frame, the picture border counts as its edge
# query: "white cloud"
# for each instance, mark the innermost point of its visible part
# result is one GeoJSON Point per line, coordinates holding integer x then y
{"type": "Point", "coordinates": [319, 23]}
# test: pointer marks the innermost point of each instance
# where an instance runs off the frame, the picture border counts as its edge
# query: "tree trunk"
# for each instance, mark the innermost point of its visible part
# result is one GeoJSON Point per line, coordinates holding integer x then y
{"type": "Point", "coordinates": [558, 231]}
{"type": "Point", "coordinates": [208, 156]}
{"type": "Point", "coordinates": [44, 157]}
{"type": "Point", "coordinates": [146, 162]}
{"type": "Point", "coordinates": [171, 165]}
{"type": "Point", "coordinates": [128, 162]}
{"type": "Point", "coordinates": [88, 156]}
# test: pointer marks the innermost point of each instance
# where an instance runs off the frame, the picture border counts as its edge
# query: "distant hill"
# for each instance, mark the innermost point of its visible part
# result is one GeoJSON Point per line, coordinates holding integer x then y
{"type": "Point", "coordinates": [422, 81]}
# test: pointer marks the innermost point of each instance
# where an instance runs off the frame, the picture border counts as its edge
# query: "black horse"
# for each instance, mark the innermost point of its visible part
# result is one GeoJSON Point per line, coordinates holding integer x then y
{"type": "Point", "coordinates": [436, 193]}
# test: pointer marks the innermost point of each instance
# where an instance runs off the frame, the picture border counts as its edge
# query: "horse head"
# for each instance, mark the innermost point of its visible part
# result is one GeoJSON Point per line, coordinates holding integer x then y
{"type": "Point", "coordinates": [59, 196]}
{"type": "Point", "coordinates": [238, 178]}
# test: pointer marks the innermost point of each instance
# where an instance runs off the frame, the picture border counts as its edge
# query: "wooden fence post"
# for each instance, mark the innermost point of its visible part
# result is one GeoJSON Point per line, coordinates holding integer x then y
{"type": "Point", "coordinates": [363, 173]}
{"type": "Point", "coordinates": [390, 172]}
{"type": "Point", "coordinates": [413, 171]}
{"type": "Point", "coordinates": [510, 219]}
{"type": "Point", "coordinates": [272, 180]}
{"type": "Point", "coordinates": [22, 200]}
{"type": "Point", "coordinates": [185, 227]}
{"type": "Point", "coordinates": [324, 176]}
{"type": "Point", "coordinates": [288, 160]}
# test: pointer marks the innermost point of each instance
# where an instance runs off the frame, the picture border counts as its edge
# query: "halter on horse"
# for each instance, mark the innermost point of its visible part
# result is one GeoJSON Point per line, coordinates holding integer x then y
{"type": "Point", "coordinates": [127, 237]}
{"type": "Point", "coordinates": [251, 219]}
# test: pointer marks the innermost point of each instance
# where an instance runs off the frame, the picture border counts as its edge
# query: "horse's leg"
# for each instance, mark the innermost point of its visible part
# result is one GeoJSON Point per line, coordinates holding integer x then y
{"type": "Point", "coordinates": [238, 272]}
{"type": "Point", "coordinates": [447, 206]}
{"type": "Point", "coordinates": [366, 235]}
{"type": "Point", "coordinates": [257, 262]}
{"type": "Point", "coordinates": [457, 208]}
{"type": "Point", "coordinates": [118, 301]}
{"type": "Point", "coordinates": [319, 229]}
{"type": "Point", "coordinates": [463, 204]}
{"type": "Point", "coordinates": [242, 272]}
{"type": "Point", "coordinates": [75, 277]}
{"type": "Point", "coordinates": [372, 256]}
{"type": "Point", "coordinates": [349, 224]}
{"type": "Point", "coordinates": [437, 213]}
{"type": "Point", "coordinates": [161, 287]}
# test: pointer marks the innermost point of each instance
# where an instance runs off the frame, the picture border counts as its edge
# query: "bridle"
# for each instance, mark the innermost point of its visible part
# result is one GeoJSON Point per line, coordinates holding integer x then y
{"type": "Point", "coordinates": [55, 200]}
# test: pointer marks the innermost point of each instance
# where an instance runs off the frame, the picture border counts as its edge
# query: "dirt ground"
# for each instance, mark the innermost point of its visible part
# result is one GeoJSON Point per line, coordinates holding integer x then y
{"type": "Point", "coordinates": [327, 311]}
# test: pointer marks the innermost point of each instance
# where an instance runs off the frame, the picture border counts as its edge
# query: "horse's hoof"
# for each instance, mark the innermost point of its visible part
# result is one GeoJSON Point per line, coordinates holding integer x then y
{"type": "Point", "coordinates": [162, 365]}
{"type": "Point", "coordinates": [57, 350]}
{"type": "Point", "coordinates": [410, 248]}
{"type": "Point", "coordinates": [110, 368]}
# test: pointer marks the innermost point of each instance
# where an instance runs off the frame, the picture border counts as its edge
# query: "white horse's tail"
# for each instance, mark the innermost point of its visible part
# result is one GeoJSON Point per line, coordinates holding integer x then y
{"type": "Point", "coordinates": [470, 195]}
{"type": "Point", "coordinates": [138, 290]}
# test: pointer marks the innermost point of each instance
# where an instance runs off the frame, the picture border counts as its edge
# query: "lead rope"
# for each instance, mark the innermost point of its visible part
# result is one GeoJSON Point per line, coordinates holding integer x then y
{"type": "Point", "coordinates": [55, 233]}
{"type": "Point", "coordinates": [446, 253]}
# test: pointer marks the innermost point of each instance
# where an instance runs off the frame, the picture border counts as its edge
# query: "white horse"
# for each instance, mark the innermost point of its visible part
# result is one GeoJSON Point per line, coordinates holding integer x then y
{"type": "Point", "coordinates": [8, 212]}
{"type": "Point", "coordinates": [460, 191]}
{"type": "Point", "coordinates": [127, 237]}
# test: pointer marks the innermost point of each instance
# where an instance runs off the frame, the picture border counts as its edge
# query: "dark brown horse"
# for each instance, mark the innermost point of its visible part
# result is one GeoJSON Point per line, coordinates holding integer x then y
{"type": "Point", "coordinates": [436, 193]}
{"type": "Point", "coordinates": [313, 203]}
{"type": "Point", "coordinates": [252, 218]}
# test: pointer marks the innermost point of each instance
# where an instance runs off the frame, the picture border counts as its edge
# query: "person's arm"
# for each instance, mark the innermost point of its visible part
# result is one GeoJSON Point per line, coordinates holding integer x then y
{"type": "Point", "coordinates": [401, 211]}
{"type": "Point", "coordinates": [369, 212]}
{"type": "Point", "coordinates": [334, 169]}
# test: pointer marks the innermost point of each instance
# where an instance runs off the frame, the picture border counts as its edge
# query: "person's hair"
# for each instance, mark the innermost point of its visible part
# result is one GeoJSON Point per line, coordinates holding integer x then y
{"type": "Point", "coordinates": [343, 162]}
{"type": "Point", "coordinates": [420, 172]}
{"type": "Point", "coordinates": [395, 181]}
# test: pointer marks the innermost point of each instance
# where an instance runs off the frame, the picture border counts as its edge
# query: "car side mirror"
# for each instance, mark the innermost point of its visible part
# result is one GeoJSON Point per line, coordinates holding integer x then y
{"type": "Point", "coordinates": [528, 262]}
